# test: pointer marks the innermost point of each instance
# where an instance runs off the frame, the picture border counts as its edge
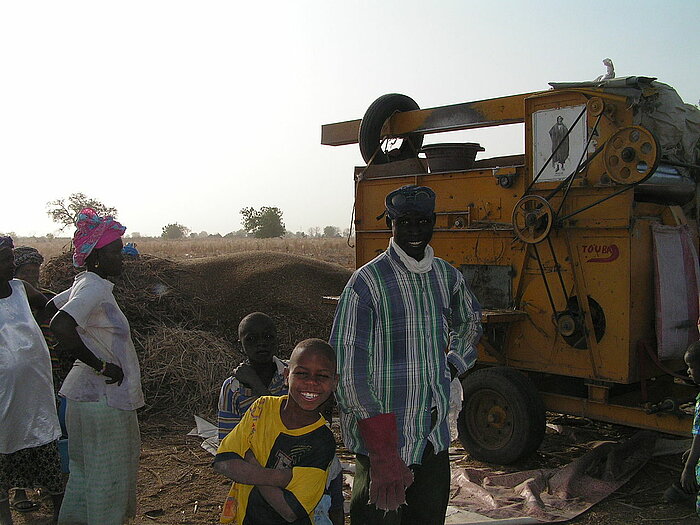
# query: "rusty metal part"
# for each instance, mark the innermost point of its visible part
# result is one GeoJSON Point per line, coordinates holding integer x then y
{"type": "Point", "coordinates": [596, 106]}
{"type": "Point", "coordinates": [571, 323]}
{"type": "Point", "coordinates": [451, 156]}
{"type": "Point", "coordinates": [566, 324]}
{"type": "Point", "coordinates": [631, 155]}
{"type": "Point", "coordinates": [502, 316]}
{"type": "Point", "coordinates": [491, 419]}
{"type": "Point", "coordinates": [666, 186]}
{"type": "Point", "coordinates": [634, 416]}
{"type": "Point", "coordinates": [468, 115]}
{"type": "Point", "coordinates": [610, 112]}
{"type": "Point", "coordinates": [532, 219]}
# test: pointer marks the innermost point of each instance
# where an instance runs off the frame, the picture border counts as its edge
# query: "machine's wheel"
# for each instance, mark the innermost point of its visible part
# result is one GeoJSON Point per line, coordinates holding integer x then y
{"type": "Point", "coordinates": [631, 155]}
{"type": "Point", "coordinates": [371, 127]}
{"type": "Point", "coordinates": [532, 219]}
{"type": "Point", "coordinates": [502, 417]}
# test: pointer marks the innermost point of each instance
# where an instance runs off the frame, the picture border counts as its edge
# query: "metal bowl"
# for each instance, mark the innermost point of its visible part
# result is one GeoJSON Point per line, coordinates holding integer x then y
{"type": "Point", "coordinates": [451, 156]}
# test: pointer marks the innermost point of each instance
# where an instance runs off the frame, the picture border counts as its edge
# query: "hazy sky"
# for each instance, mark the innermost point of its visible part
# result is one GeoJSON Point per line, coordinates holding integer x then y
{"type": "Point", "coordinates": [186, 112]}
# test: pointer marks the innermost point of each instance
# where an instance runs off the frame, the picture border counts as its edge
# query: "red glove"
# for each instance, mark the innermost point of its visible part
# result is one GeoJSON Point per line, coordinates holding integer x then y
{"type": "Point", "coordinates": [389, 475]}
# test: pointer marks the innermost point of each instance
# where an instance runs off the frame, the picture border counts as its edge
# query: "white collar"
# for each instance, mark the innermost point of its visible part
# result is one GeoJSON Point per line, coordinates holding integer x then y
{"type": "Point", "coordinates": [422, 266]}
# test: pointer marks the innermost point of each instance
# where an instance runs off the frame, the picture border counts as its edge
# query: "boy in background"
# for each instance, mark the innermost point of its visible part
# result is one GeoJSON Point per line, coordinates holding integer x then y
{"type": "Point", "coordinates": [279, 453]}
{"type": "Point", "coordinates": [262, 375]}
{"type": "Point", "coordinates": [690, 477]}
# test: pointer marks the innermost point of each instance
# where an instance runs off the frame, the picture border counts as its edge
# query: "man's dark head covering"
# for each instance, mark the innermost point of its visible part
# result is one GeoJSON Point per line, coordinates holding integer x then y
{"type": "Point", "coordinates": [27, 255]}
{"type": "Point", "coordinates": [6, 242]}
{"type": "Point", "coordinates": [419, 199]}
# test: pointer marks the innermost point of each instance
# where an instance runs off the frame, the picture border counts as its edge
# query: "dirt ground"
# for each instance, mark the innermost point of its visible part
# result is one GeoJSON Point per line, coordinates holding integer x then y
{"type": "Point", "coordinates": [177, 481]}
{"type": "Point", "coordinates": [178, 486]}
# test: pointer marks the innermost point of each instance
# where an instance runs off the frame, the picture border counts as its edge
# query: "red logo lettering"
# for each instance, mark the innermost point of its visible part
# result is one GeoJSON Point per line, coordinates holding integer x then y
{"type": "Point", "coordinates": [611, 251]}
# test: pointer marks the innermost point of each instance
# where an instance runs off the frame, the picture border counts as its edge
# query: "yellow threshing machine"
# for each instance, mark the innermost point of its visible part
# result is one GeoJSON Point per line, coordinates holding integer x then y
{"type": "Point", "coordinates": [582, 251]}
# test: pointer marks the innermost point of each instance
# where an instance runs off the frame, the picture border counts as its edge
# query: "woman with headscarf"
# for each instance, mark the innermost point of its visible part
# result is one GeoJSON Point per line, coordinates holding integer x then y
{"type": "Point", "coordinates": [28, 422]}
{"type": "Point", "coordinates": [103, 388]}
{"type": "Point", "coordinates": [28, 263]}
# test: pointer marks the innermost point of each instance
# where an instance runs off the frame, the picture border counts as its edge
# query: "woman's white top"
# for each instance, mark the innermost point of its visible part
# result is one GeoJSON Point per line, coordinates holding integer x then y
{"type": "Point", "coordinates": [28, 415]}
{"type": "Point", "coordinates": [105, 331]}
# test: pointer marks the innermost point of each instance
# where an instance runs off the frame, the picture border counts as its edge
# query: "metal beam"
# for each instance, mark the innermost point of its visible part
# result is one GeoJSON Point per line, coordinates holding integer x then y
{"type": "Point", "coordinates": [618, 414]}
{"type": "Point", "coordinates": [467, 115]}
{"type": "Point", "coordinates": [340, 133]}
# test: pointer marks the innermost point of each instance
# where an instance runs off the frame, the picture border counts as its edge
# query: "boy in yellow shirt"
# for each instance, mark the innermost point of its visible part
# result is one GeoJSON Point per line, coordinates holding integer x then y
{"type": "Point", "coordinates": [278, 455]}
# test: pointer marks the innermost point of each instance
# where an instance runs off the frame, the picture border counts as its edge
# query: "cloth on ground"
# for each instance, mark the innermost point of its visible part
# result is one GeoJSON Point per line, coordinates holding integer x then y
{"type": "Point", "coordinates": [550, 495]}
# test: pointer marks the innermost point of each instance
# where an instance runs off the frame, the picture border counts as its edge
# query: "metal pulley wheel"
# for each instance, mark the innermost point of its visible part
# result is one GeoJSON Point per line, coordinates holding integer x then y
{"type": "Point", "coordinates": [566, 324]}
{"type": "Point", "coordinates": [631, 155]}
{"type": "Point", "coordinates": [532, 219]}
{"type": "Point", "coordinates": [596, 106]}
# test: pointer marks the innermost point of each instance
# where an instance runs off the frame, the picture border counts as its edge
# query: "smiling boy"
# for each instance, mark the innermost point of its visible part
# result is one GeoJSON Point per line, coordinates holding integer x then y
{"type": "Point", "coordinates": [279, 453]}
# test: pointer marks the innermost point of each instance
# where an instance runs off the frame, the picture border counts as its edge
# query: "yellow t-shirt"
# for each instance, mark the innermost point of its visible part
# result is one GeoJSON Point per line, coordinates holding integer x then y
{"type": "Point", "coordinates": [308, 451]}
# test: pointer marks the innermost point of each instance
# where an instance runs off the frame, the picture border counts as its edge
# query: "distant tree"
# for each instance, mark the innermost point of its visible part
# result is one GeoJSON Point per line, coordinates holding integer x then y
{"type": "Point", "coordinates": [331, 231]}
{"type": "Point", "coordinates": [263, 223]}
{"type": "Point", "coordinates": [64, 212]}
{"type": "Point", "coordinates": [314, 231]}
{"type": "Point", "coordinates": [135, 235]}
{"type": "Point", "coordinates": [203, 234]}
{"type": "Point", "coordinates": [175, 231]}
{"type": "Point", "coordinates": [236, 234]}
{"type": "Point", "coordinates": [49, 236]}
{"type": "Point", "coordinates": [346, 232]}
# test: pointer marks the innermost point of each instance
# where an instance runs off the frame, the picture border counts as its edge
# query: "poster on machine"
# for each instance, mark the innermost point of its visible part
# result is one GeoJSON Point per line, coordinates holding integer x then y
{"type": "Point", "coordinates": [558, 143]}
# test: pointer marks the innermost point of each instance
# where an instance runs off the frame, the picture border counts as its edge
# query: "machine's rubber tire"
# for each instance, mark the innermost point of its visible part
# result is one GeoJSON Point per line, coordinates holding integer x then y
{"type": "Point", "coordinates": [371, 127]}
{"type": "Point", "coordinates": [502, 418]}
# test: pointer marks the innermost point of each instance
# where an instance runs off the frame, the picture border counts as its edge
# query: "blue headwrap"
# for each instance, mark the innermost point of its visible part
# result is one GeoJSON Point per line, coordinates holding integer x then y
{"type": "Point", "coordinates": [419, 199]}
{"type": "Point", "coordinates": [130, 249]}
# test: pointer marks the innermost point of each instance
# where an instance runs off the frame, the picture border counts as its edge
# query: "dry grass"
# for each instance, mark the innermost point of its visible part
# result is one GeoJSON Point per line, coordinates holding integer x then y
{"type": "Point", "coordinates": [334, 250]}
{"type": "Point", "coordinates": [182, 369]}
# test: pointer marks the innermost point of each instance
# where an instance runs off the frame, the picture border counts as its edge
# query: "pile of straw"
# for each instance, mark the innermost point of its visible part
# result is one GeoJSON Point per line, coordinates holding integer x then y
{"type": "Point", "coordinates": [182, 369]}
{"type": "Point", "coordinates": [184, 316]}
{"type": "Point", "coordinates": [147, 291]}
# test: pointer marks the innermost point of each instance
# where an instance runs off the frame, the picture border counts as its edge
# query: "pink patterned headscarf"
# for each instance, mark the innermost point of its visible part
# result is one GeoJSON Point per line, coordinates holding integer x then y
{"type": "Point", "coordinates": [93, 232]}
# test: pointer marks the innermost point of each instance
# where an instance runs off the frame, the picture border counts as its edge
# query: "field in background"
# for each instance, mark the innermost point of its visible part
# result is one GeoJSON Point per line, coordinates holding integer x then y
{"type": "Point", "coordinates": [334, 250]}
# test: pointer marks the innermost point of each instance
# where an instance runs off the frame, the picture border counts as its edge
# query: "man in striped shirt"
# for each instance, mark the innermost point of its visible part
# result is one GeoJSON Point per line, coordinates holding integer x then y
{"type": "Point", "coordinates": [405, 325]}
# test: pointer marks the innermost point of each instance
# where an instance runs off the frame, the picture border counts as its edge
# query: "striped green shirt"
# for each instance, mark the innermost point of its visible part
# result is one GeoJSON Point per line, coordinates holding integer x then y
{"type": "Point", "coordinates": [394, 332]}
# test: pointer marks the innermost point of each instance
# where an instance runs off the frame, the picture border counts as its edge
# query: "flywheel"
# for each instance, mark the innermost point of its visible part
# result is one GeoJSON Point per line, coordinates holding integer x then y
{"type": "Point", "coordinates": [532, 219]}
{"type": "Point", "coordinates": [631, 155]}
